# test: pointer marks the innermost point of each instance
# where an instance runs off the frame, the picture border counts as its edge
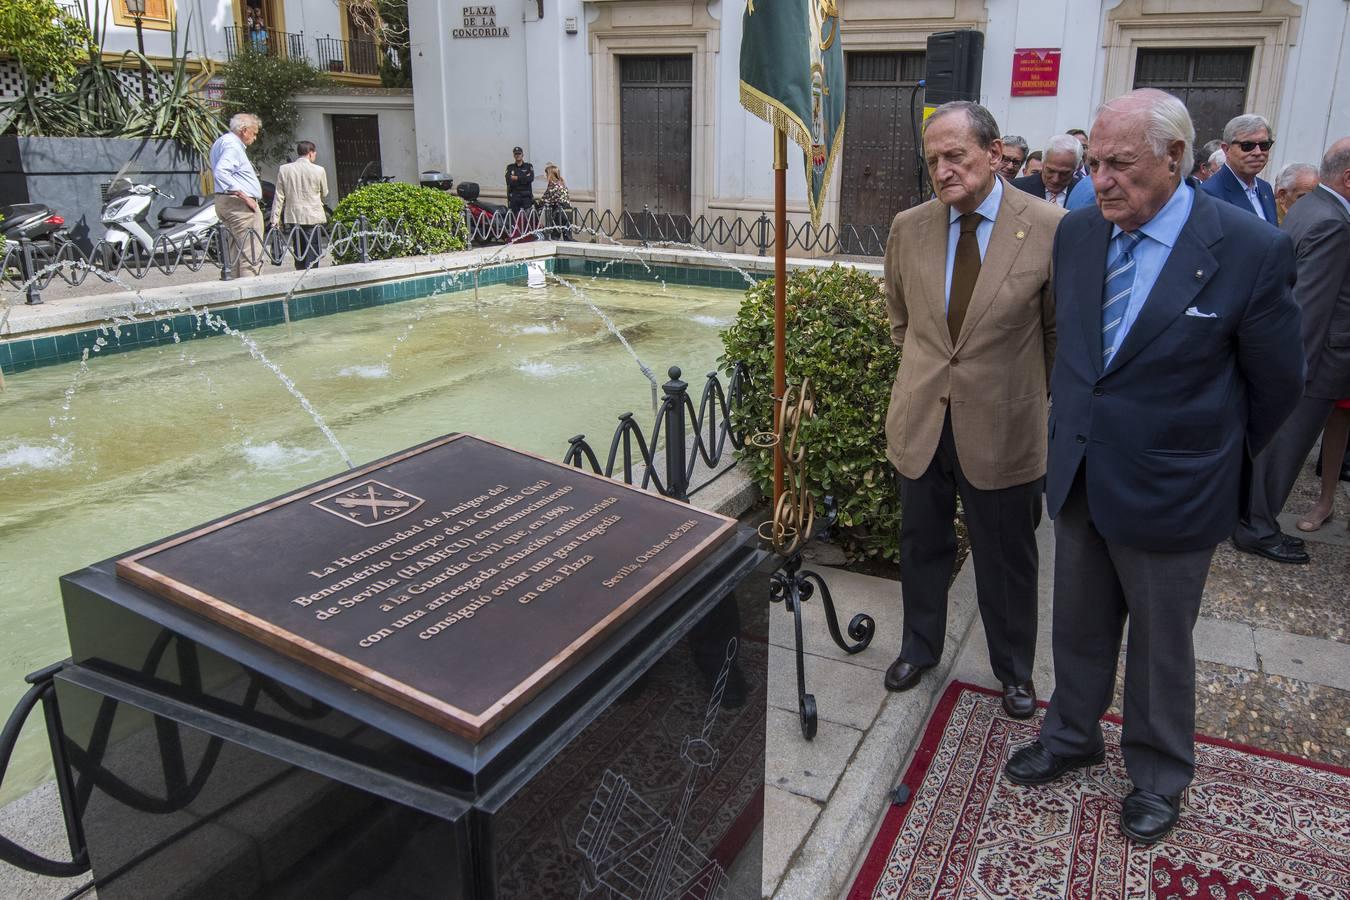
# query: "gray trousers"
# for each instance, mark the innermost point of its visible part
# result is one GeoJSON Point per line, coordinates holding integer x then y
{"type": "Point", "coordinates": [1276, 468]}
{"type": "Point", "coordinates": [1099, 584]}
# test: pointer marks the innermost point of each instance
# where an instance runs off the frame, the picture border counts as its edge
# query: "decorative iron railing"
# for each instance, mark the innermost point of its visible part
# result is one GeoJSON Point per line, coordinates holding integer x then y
{"type": "Point", "coordinates": [268, 41]}
{"type": "Point", "coordinates": [350, 57]}
{"type": "Point", "coordinates": [682, 436]}
{"type": "Point", "coordinates": [32, 266]}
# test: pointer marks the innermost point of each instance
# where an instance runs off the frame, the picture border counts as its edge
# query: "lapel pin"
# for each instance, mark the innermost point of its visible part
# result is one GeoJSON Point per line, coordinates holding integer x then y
{"type": "Point", "coordinates": [1199, 273]}
{"type": "Point", "coordinates": [1021, 234]}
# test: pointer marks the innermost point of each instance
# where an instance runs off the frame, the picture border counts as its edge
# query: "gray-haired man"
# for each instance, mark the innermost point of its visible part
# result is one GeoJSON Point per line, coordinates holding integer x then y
{"type": "Point", "coordinates": [1015, 150]}
{"type": "Point", "coordinates": [238, 193]}
{"type": "Point", "coordinates": [1063, 155]}
{"type": "Point", "coordinates": [1294, 180]}
{"type": "Point", "coordinates": [1246, 145]}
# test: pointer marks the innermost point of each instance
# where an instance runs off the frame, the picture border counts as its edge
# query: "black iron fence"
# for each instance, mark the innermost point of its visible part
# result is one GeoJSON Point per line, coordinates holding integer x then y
{"type": "Point", "coordinates": [268, 41]}
{"type": "Point", "coordinates": [350, 57]}
{"type": "Point", "coordinates": [30, 266]}
{"type": "Point", "coordinates": [681, 437]}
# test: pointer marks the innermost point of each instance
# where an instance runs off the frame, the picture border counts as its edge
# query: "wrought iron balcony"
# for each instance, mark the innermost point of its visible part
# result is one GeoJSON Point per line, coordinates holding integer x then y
{"type": "Point", "coordinates": [349, 57]}
{"type": "Point", "coordinates": [269, 41]}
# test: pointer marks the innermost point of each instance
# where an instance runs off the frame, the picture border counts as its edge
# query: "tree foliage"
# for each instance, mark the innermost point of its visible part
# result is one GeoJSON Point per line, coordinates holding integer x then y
{"type": "Point", "coordinates": [43, 38]}
{"type": "Point", "coordinates": [838, 335]}
{"type": "Point", "coordinates": [266, 84]}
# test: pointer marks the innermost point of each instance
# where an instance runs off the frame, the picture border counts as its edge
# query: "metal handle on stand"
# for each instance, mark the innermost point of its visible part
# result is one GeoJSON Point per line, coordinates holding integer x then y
{"type": "Point", "coordinates": [43, 689]}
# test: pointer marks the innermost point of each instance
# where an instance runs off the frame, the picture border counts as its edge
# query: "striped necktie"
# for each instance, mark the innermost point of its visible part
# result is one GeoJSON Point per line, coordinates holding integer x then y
{"type": "Point", "coordinates": [1116, 297]}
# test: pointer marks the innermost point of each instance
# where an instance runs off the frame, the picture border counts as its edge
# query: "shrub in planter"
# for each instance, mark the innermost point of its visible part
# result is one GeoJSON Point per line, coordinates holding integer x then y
{"type": "Point", "coordinates": [429, 221]}
{"type": "Point", "coordinates": [838, 335]}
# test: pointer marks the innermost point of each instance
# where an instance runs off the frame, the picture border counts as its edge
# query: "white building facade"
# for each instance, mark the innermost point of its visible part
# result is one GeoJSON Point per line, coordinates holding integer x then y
{"type": "Point", "coordinates": [638, 100]}
{"type": "Point", "coordinates": [354, 122]}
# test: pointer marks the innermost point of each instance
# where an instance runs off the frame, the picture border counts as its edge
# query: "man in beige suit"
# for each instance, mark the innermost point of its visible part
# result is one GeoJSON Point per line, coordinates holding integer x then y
{"type": "Point", "coordinates": [301, 187]}
{"type": "Point", "coordinates": [969, 294]}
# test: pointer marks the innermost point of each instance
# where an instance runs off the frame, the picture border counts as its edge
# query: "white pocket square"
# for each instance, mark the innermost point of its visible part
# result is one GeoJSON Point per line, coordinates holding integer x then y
{"type": "Point", "coordinates": [1193, 311]}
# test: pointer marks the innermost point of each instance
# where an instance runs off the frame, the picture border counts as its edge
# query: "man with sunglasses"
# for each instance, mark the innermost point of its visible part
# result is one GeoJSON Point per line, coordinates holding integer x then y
{"type": "Point", "coordinates": [1246, 145]}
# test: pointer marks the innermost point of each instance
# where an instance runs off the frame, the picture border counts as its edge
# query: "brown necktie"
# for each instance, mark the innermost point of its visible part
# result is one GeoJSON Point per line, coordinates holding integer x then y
{"type": "Point", "coordinates": [965, 271]}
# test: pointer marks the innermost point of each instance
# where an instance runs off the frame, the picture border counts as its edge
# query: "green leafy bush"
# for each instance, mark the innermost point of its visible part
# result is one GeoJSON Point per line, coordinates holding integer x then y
{"type": "Point", "coordinates": [432, 221]}
{"type": "Point", "coordinates": [265, 84]}
{"type": "Point", "coordinates": [838, 335]}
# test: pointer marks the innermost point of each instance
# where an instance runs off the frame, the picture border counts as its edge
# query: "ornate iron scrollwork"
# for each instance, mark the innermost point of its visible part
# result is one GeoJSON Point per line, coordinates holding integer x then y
{"type": "Point", "coordinates": [788, 531]}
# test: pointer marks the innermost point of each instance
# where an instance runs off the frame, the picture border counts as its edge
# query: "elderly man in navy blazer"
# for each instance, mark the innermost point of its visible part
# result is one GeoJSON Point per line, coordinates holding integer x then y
{"type": "Point", "coordinates": [1246, 145]}
{"type": "Point", "coordinates": [1179, 356]}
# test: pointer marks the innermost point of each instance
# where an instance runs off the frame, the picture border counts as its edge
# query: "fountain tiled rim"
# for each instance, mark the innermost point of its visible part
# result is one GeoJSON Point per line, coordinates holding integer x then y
{"type": "Point", "coordinates": [60, 331]}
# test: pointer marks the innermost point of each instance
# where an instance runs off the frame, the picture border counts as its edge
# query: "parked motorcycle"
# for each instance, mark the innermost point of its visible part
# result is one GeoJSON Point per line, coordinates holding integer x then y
{"type": "Point", "coordinates": [491, 222]}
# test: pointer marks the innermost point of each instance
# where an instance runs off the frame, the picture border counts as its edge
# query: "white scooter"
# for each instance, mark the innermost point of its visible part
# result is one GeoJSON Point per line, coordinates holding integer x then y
{"type": "Point", "coordinates": [181, 228]}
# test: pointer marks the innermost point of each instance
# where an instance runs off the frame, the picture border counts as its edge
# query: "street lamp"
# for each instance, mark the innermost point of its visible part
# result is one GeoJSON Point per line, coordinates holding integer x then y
{"type": "Point", "coordinates": [136, 9]}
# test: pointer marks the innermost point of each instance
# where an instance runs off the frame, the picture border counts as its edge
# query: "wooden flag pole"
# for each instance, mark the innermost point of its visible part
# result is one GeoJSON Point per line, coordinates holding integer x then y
{"type": "Point", "coordinates": [779, 301]}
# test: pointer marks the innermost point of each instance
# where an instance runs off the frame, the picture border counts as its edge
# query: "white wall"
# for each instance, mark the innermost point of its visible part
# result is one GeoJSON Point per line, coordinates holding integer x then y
{"type": "Point", "coordinates": [478, 97]}
{"type": "Point", "coordinates": [398, 153]}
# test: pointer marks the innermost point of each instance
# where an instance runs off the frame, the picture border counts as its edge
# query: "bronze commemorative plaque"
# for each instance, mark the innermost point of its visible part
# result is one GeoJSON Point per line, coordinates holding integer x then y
{"type": "Point", "coordinates": [454, 580]}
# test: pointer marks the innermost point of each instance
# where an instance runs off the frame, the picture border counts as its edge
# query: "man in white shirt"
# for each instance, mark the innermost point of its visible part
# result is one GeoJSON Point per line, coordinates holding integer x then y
{"type": "Point", "coordinates": [238, 193]}
{"type": "Point", "coordinates": [301, 187]}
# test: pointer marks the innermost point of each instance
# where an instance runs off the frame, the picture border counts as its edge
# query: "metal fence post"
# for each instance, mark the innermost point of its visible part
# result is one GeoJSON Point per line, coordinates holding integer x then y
{"type": "Point", "coordinates": [677, 476]}
{"type": "Point", "coordinates": [763, 233]}
{"type": "Point", "coordinates": [34, 293]}
{"type": "Point", "coordinates": [362, 238]}
{"type": "Point", "coordinates": [223, 238]}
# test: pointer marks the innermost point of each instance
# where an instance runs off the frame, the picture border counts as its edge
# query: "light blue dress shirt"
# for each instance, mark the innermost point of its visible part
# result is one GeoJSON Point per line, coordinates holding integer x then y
{"type": "Point", "coordinates": [1250, 190]}
{"type": "Point", "coordinates": [989, 210]}
{"type": "Point", "coordinates": [1082, 194]}
{"type": "Point", "coordinates": [231, 169]}
{"type": "Point", "coordinates": [1150, 254]}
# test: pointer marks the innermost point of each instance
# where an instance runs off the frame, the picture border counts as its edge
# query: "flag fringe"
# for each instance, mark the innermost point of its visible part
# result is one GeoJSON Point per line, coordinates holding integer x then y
{"type": "Point", "coordinates": [762, 106]}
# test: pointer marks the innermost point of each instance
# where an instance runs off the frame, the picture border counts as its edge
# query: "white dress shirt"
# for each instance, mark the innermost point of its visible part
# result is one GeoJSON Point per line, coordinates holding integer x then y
{"type": "Point", "coordinates": [1250, 189]}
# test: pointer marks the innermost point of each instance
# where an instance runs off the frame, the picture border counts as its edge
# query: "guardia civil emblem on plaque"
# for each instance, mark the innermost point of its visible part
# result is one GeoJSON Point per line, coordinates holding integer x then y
{"type": "Point", "coordinates": [369, 503]}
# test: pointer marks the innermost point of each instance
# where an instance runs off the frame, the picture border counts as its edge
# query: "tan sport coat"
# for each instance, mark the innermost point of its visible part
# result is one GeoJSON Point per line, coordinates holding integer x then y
{"type": "Point", "coordinates": [301, 187]}
{"type": "Point", "coordinates": [996, 376]}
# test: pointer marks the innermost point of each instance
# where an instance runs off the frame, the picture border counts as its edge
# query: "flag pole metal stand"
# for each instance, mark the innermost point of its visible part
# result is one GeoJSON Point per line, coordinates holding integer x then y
{"type": "Point", "coordinates": [793, 507]}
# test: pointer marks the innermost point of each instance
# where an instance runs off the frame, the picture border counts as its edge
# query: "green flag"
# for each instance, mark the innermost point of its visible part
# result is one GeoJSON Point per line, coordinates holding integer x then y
{"type": "Point", "coordinates": [792, 76]}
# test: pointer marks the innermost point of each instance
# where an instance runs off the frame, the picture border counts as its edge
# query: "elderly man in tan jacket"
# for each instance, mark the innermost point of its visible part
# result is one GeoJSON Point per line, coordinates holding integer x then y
{"type": "Point", "coordinates": [969, 294]}
{"type": "Point", "coordinates": [301, 187]}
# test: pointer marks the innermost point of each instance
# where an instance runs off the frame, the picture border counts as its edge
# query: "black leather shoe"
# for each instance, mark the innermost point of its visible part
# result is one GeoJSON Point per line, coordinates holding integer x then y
{"type": "Point", "coordinates": [902, 676]}
{"type": "Point", "coordinates": [1146, 817]}
{"type": "Point", "coordinates": [1292, 540]}
{"type": "Point", "coordinates": [1034, 764]}
{"type": "Point", "coordinates": [1278, 551]}
{"type": "Point", "coordinates": [1019, 700]}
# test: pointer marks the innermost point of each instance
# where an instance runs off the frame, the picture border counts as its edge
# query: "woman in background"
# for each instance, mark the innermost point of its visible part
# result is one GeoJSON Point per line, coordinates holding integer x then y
{"type": "Point", "coordinates": [556, 203]}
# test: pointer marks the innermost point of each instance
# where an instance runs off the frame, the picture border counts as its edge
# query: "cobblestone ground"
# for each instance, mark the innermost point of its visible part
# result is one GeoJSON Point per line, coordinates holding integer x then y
{"type": "Point", "coordinates": [1306, 611]}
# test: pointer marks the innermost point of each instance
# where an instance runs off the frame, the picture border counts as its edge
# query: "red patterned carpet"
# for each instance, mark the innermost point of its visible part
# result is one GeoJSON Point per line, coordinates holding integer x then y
{"type": "Point", "coordinates": [1254, 825]}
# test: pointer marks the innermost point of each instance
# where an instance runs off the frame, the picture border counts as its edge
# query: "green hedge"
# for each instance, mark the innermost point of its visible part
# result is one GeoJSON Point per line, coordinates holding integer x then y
{"type": "Point", "coordinates": [838, 335]}
{"type": "Point", "coordinates": [432, 221]}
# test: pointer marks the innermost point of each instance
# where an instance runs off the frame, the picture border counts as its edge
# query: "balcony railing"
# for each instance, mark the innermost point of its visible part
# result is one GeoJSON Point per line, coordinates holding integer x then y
{"type": "Point", "coordinates": [350, 57]}
{"type": "Point", "coordinates": [269, 41]}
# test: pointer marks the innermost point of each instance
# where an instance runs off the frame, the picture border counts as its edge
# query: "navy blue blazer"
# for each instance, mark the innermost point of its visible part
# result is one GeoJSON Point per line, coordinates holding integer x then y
{"type": "Point", "coordinates": [1205, 376]}
{"type": "Point", "coordinates": [1224, 185]}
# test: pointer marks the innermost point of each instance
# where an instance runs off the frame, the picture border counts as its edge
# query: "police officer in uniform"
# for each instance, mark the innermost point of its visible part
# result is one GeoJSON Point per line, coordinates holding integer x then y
{"type": "Point", "coordinates": [519, 182]}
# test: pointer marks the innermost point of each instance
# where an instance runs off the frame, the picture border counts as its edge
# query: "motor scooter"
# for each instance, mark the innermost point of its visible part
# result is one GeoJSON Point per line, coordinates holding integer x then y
{"type": "Point", "coordinates": [181, 228]}
{"type": "Point", "coordinates": [37, 228]}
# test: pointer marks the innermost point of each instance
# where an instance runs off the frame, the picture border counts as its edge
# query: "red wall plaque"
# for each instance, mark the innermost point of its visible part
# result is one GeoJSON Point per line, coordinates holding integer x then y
{"type": "Point", "coordinates": [1035, 73]}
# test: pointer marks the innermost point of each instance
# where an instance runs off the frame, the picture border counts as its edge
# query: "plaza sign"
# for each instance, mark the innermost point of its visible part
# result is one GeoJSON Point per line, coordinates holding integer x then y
{"type": "Point", "coordinates": [480, 22]}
